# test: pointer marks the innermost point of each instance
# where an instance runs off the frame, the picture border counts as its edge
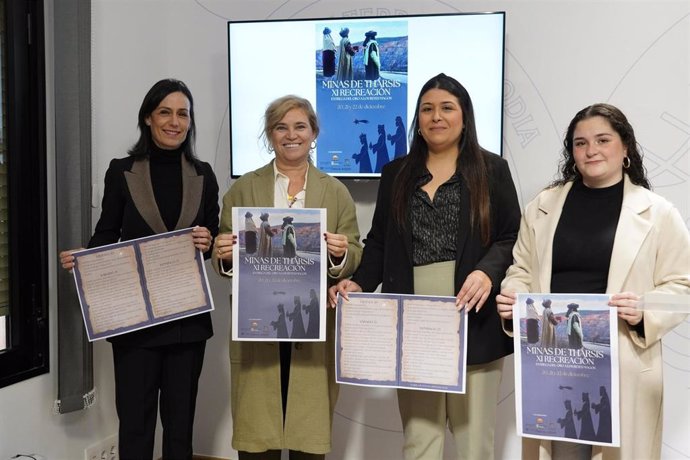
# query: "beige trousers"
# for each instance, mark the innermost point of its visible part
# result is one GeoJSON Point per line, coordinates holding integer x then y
{"type": "Point", "coordinates": [471, 417]}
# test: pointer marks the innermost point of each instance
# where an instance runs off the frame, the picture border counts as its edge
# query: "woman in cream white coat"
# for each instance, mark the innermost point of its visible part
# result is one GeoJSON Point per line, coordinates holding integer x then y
{"type": "Point", "coordinates": [599, 229]}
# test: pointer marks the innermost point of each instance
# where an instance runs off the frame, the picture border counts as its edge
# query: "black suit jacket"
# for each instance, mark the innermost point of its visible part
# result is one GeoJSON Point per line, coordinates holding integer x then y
{"type": "Point", "coordinates": [387, 257]}
{"type": "Point", "coordinates": [129, 211]}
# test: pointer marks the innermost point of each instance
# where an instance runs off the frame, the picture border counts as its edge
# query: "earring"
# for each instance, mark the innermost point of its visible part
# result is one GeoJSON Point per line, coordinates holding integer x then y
{"type": "Point", "coordinates": [313, 145]}
{"type": "Point", "coordinates": [574, 169]}
{"type": "Point", "coordinates": [270, 149]}
{"type": "Point", "coordinates": [419, 131]}
{"type": "Point", "coordinates": [626, 165]}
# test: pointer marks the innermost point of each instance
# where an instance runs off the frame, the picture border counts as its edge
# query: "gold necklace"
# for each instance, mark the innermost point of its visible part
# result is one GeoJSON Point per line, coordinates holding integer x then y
{"type": "Point", "coordinates": [291, 199]}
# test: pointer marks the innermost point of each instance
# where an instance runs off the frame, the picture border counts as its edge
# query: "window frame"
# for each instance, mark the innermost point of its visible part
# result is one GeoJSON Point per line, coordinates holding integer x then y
{"type": "Point", "coordinates": [27, 353]}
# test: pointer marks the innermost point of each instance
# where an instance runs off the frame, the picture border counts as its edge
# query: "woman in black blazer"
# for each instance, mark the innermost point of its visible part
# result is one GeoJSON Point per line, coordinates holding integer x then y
{"type": "Point", "coordinates": [161, 186]}
{"type": "Point", "coordinates": [445, 222]}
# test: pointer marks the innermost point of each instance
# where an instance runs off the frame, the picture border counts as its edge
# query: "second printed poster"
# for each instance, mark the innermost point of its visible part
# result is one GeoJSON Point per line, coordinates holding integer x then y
{"type": "Point", "coordinates": [566, 368]}
{"type": "Point", "coordinates": [279, 276]}
{"type": "Point", "coordinates": [361, 83]}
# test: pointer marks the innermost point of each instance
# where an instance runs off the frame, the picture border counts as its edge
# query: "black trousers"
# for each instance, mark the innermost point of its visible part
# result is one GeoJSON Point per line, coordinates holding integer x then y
{"type": "Point", "coordinates": [143, 376]}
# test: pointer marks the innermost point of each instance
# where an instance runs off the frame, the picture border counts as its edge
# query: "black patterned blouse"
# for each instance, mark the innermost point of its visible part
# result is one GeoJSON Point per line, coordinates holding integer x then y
{"type": "Point", "coordinates": [435, 223]}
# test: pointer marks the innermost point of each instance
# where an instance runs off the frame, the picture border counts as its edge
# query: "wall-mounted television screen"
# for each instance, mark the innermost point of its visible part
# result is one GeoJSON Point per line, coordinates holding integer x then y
{"type": "Point", "coordinates": [363, 76]}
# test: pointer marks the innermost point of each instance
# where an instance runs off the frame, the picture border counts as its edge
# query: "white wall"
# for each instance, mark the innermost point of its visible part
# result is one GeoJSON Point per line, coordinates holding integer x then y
{"type": "Point", "coordinates": [561, 56]}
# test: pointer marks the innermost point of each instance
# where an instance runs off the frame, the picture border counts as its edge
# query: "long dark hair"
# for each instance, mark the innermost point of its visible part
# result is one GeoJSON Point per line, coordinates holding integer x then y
{"type": "Point", "coordinates": [470, 161]}
{"type": "Point", "coordinates": [153, 98]}
{"type": "Point", "coordinates": [636, 171]}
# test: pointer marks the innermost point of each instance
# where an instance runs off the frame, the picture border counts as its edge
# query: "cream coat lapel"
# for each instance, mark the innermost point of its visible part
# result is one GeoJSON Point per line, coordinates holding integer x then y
{"type": "Point", "coordinates": [550, 208]}
{"type": "Point", "coordinates": [192, 190]}
{"type": "Point", "coordinates": [141, 190]}
{"type": "Point", "coordinates": [633, 227]}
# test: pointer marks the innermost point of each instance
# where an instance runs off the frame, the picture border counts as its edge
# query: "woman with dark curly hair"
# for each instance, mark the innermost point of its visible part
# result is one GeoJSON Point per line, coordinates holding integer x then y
{"type": "Point", "coordinates": [599, 229]}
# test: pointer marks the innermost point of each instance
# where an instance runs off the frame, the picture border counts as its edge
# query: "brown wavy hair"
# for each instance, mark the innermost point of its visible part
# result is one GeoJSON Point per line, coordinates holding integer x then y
{"type": "Point", "coordinates": [636, 172]}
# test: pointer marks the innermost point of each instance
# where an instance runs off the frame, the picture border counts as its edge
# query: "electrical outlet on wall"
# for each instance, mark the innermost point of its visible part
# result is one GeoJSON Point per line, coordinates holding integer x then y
{"type": "Point", "coordinates": [105, 449]}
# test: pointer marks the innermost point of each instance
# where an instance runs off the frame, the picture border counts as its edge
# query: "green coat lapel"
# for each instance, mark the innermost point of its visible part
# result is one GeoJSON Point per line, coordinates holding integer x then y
{"type": "Point", "coordinates": [315, 189]}
{"type": "Point", "coordinates": [263, 187]}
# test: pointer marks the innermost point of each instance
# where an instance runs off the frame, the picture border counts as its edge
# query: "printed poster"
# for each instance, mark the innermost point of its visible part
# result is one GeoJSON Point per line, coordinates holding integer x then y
{"type": "Point", "coordinates": [566, 368]}
{"type": "Point", "coordinates": [361, 95]}
{"type": "Point", "coordinates": [401, 341]}
{"type": "Point", "coordinates": [279, 274]}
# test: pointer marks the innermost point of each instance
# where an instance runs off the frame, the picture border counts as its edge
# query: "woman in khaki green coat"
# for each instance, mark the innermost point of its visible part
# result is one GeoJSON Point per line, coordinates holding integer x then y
{"type": "Point", "coordinates": [283, 393]}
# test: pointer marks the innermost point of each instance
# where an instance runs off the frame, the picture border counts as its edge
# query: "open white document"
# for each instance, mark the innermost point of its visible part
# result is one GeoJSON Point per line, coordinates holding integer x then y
{"type": "Point", "coordinates": [134, 284]}
{"type": "Point", "coordinates": [402, 341]}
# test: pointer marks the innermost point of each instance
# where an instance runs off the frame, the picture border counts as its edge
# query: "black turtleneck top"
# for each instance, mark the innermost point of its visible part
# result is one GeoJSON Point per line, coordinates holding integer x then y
{"type": "Point", "coordinates": [166, 179]}
{"type": "Point", "coordinates": [583, 242]}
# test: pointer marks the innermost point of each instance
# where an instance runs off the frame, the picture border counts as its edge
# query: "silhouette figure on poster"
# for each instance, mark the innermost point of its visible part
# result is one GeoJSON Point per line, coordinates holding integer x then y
{"type": "Point", "coordinates": [362, 158]}
{"type": "Point", "coordinates": [568, 422]}
{"type": "Point", "coordinates": [398, 139]}
{"type": "Point", "coordinates": [313, 326]}
{"type": "Point", "coordinates": [279, 325]}
{"type": "Point", "coordinates": [585, 417]}
{"type": "Point", "coordinates": [603, 409]}
{"type": "Point", "coordinates": [296, 318]}
{"type": "Point", "coordinates": [380, 149]}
